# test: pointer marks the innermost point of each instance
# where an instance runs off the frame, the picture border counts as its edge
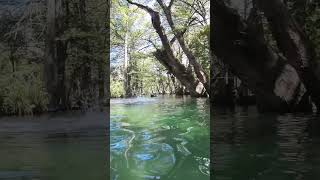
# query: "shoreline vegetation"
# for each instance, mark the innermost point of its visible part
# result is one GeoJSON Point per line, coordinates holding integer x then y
{"type": "Point", "coordinates": [54, 55]}
{"type": "Point", "coordinates": [60, 61]}
{"type": "Point", "coordinates": [156, 50]}
{"type": "Point", "coordinates": [252, 58]}
{"type": "Point", "coordinates": [176, 57]}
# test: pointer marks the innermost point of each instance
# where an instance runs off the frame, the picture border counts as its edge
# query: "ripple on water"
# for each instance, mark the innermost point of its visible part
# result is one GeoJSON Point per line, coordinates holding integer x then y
{"type": "Point", "coordinates": [157, 139]}
{"type": "Point", "coordinates": [119, 141]}
{"type": "Point", "coordinates": [153, 159]}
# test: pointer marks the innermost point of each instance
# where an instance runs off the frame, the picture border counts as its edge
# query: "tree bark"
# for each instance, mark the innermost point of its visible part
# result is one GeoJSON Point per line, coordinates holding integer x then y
{"type": "Point", "coordinates": [55, 55]}
{"type": "Point", "coordinates": [104, 78]}
{"type": "Point", "coordinates": [104, 65]}
{"type": "Point", "coordinates": [294, 44]}
{"type": "Point", "coordinates": [180, 72]}
{"type": "Point", "coordinates": [127, 87]}
{"type": "Point", "coordinates": [86, 68]}
{"type": "Point", "coordinates": [166, 56]}
{"type": "Point", "coordinates": [275, 82]}
{"type": "Point", "coordinates": [200, 73]}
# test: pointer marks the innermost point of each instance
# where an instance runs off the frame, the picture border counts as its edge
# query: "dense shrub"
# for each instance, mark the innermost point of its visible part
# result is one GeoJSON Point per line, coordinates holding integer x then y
{"type": "Point", "coordinates": [116, 88]}
{"type": "Point", "coordinates": [22, 92]}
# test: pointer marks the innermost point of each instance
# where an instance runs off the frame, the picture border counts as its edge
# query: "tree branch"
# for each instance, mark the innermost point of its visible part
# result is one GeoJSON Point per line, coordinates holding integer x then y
{"type": "Point", "coordinates": [166, 55]}
{"type": "Point", "coordinates": [200, 5]}
{"type": "Point", "coordinates": [170, 4]}
{"type": "Point", "coordinates": [146, 8]}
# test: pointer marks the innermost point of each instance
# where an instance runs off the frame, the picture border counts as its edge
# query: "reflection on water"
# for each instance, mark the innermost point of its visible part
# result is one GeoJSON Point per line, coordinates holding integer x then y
{"type": "Point", "coordinates": [159, 138]}
{"type": "Point", "coordinates": [249, 145]}
{"type": "Point", "coordinates": [68, 146]}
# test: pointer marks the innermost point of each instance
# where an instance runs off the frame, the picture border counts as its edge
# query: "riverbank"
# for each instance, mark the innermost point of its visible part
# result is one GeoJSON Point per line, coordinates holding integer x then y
{"type": "Point", "coordinates": [55, 122]}
{"type": "Point", "coordinates": [96, 108]}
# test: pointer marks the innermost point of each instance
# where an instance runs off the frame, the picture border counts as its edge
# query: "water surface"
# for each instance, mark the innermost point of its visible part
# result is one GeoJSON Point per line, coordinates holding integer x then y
{"type": "Point", "coordinates": [160, 138]}
{"type": "Point", "coordinates": [252, 146]}
{"type": "Point", "coordinates": [61, 146]}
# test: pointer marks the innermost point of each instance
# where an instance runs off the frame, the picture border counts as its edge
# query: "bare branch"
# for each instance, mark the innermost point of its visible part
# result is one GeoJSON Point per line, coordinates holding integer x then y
{"type": "Point", "coordinates": [170, 4]}
{"type": "Point", "coordinates": [163, 6]}
{"type": "Point", "coordinates": [199, 8]}
{"type": "Point", "coordinates": [116, 32]}
{"type": "Point", "coordinates": [175, 38]}
{"type": "Point", "coordinates": [146, 8]}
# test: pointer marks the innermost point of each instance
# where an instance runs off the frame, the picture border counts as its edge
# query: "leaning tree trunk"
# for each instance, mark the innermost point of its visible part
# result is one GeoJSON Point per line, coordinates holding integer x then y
{"type": "Point", "coordinates": [294, 44]}
{"type": "Point", "coordinates": [200, 73]}
{"type": "Point", "coordinates": [166, 56]}
{"type": "Point", "coordinates": [275, 82]}
{"type": "Point", "coordinates": [180, 72]}
{"type": "Point", "coordinates": [55, 55]}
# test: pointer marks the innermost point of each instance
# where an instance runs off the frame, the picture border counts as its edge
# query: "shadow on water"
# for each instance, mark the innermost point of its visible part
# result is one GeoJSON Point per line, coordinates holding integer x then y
{"type": "Point", "coordinates": [62, 146]}
{"type": "Point", "coordinates": [248, 145]}
{"type": "Point", "coordinates": [159, 138]}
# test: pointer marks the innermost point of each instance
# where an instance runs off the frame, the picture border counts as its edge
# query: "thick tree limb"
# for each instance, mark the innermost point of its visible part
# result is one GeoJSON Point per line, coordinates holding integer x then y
{"type": "Point", "coordinates": [200, 73]}
{"type": "Point", "coordinates": [167, 58]}
{"type": "Point", "coordinates": [275, 82]}
{"type": "Point", "coordinates": [55, 56]}
{"type": "Point", "coordinates": [170, 4]}
{"type": "Point", "coordinates": [294, 44]}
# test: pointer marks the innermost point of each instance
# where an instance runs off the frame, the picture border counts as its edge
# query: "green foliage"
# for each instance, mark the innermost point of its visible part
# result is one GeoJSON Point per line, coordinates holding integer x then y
{"type": "Point", "coordinates": [307, 14]}
{"type": "Point", "coordinates": [16, 100]}
{"type": "Point", "coordinates": [131, 27]}
{"type": "Point", "coordinates": [199, 43]}
{"type": "Point", "coordinates": [116, 88]}
{"type": "Point", "coordinates": [312, 26]}
{"type": "Point", "coordinates": [23, 92]}
{"type": "Point", "coordinates": [23, 45]}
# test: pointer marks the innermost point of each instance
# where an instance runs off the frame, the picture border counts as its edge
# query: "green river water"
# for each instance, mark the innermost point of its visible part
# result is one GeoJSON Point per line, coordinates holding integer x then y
{"type": "Point", "coordinates": [160, 138]}
{"type": "Point", "coordinates": [247, 145]}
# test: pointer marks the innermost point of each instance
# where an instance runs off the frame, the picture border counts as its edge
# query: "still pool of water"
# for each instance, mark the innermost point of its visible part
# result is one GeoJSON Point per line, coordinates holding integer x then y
{"type": "Point", "coordinates": [247, 145]}
{"type": "Point", "coordinates": [163, 138]}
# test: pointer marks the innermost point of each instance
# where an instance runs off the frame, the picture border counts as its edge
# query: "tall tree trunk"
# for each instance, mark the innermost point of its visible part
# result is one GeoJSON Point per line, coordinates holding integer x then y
{"type": "Point", "coordinates": [126, 82]}
{"type": "Point", "coordinates": [86, 68]}
{"type": "Point", "coordinates": [104, 65]}
{"type": "Point", "coordinates": [55, 55]}
{"type": "Point", "coordinates": [245, 9]}
{"type": "Point", "coordinates": [12, 57]}
{"type": "Point", "coordinates": [104, 72]}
